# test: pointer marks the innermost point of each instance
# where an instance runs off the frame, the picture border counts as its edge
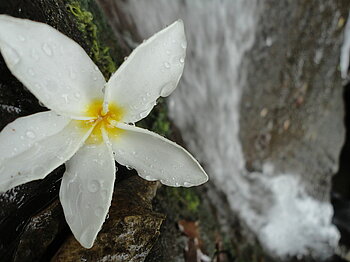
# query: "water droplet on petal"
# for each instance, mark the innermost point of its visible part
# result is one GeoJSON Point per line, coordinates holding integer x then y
{"type": "Point", "coordinates": [30, 134]}
{"type": "Point", "coordinates": [94, 186]}
{"type": "Point", "coordinates": [125, 58]}
{"type": "Point", "coordinates": [166, 65]}
{"type": "Point", "coordinates": [72, 73]}
{"type": "Point", "coordinates": [65, 97]}
{"type": "Point", "coordinates": [104, 194]}
{"type": "Point", "coordinates": [21, 38]}
{"type": "Point", "coordinates": [31, 72]}
{"type": "Point", "coordinates": [144, 114]}
{"type": "Point", "coordinates": [35, 55]}
{"type": "Point", "coordinates": [182, 60]}
{"type": "Point", "coordinates": [183, 45]}
{"type": "Point", "coordinates": [38, 170]}
{"type": "Point", "coordinates": [11, 56]}
{"type": "Point", "coordinates": [121, 152]}
{"type": "Point", "coordinates": [187, 184]}
{"type": "Point", "coordinates": [47, 49]}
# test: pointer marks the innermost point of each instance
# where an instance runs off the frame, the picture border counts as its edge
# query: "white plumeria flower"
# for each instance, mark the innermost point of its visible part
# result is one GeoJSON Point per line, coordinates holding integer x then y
{"type": "Point", "coordinates": [86, 127]}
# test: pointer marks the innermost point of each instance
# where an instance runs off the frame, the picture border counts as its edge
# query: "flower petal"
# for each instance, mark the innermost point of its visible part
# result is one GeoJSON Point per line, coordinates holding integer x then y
{"type": "Point", "coordinates": [52, 66]}
{"type": "Point", "coordinates": [153, 69]}
{"type": "Point", "coordinates": [86, 191]}
{"type": "Point", "coordinates": [33, 146]}
{"type": "Point", "coordinates": [156, 158]}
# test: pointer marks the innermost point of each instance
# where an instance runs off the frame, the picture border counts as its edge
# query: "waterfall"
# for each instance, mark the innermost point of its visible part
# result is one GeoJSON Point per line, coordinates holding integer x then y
{"type": "Point", "coordinates": [206, 108]}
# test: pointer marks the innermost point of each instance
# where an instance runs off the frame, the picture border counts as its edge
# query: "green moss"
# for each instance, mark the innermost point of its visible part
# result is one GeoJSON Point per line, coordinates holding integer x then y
{"type": "Point", "coordinates": [98, 52]}
{"type": "Point", "coordinates": [186, 197]}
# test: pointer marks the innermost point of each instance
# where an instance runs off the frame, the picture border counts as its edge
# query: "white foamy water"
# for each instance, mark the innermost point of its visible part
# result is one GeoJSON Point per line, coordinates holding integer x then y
{"type": "Point", "coordinates": [206, 108]}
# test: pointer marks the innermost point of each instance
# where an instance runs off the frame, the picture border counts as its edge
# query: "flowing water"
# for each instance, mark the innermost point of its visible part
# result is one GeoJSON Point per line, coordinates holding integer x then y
{"type": "Point", "coordinates": [205, 106]}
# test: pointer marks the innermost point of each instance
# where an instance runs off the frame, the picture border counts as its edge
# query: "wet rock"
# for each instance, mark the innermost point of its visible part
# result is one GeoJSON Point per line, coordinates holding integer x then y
{"type": "Point", "coordinates": [46, 228]}
{"type": "Point", "coordinates": [129, 232]}
{"type": "Point", "coordinates": [292, 107]}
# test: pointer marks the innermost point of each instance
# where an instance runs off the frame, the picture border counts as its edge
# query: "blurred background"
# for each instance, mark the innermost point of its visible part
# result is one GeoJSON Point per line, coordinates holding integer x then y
{"type": "Point", "coordinates": [263, 104]}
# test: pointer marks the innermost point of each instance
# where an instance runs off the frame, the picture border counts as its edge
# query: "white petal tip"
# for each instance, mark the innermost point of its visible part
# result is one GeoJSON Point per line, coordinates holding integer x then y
{"type": "Point", "coordinates": [87, 245]}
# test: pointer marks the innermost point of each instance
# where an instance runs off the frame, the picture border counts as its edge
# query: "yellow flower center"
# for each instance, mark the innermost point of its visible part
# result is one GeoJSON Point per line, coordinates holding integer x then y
{"type": "Point", "coordinates": [102, 120]}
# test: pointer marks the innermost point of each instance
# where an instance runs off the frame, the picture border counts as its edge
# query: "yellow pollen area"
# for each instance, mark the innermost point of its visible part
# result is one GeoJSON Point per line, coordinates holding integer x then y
{"type": "Point", "coordinates": [102, 120]}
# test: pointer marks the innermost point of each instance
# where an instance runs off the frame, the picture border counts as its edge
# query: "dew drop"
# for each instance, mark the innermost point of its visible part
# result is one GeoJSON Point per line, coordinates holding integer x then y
{"type": "Point", "coordinates": [30, 134]}
{"type": "Point", "coordinates": [11, 55]}
{"type": "Point", "coordinates": [65, 97]}
{"type": "Point", "coordinates": [167, 65]}
{"type": "Point", "coordinates": [121, 151]}
{"type": "Point", "coordinates": [182, 60]}
{"type": "Point", "coordinates": [94, 186]}
{"type": "Point", "coordinates": [21, 38]}
{"type": "Point", "coordinates": [183, 45]}
{"type": "Point", "coordinates": [96, 68]}
{"type": "Point", "coordinates": [95, 78]}
{"type": "Point", "coordinates": [177, 184]}
{"type": "Point", "coordinates": [143, 114]}
{"type": "Point", "coordinates": [72, 73]}
{"type": "Point", "coordinates": [31, 72]}
{"type": "Point", "coordinates": [125, 58]}
{"type": "Point", "coordinates": [35, 55]}
{"type": "Point", "coordinates": [47, 49]}
{"type": "Point", "coordinates": [187, 184]}
{"type": "Point", "coordinates": [37, 170]}
{"type": "Point", "coordinates": [104, 194]}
